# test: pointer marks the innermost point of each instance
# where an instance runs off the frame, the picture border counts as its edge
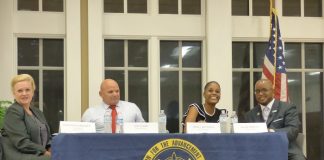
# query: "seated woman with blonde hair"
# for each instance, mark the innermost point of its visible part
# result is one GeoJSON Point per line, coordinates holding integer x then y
{"type": "Point", "coordinates": [26, 134]}
{"type": "Point", "coordinates": [206, 112]}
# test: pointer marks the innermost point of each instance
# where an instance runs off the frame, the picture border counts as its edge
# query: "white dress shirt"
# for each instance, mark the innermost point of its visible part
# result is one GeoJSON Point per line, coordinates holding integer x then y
{"type": "Point", "coordinates": [129, 111]}
{"type": "Point", "coordinates": [269, 106]}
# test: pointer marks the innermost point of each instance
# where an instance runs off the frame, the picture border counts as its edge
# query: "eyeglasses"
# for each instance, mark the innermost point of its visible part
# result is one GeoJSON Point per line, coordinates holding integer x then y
{"type": "Point", "coordinates": [263, 90]}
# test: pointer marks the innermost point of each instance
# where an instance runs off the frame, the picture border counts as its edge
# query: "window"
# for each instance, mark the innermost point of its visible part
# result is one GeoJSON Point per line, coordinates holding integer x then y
{"type": "Point", "coordinates": [313, 55]}
{"type": "Point", "coordinates": [314, 99]}
{"type": "Point", "coordinates": [241, 80]}
{"type": "Point", "coordinates": [305, 69]}
{"type": "Point", "coordinates": [240, 7]}
{"type": "Point", "coordinates": [35, 5]}
{"type": "Point", "coordinates": [314, 114]}
{"type": "Point", "coordinates": [53, 5]}
{"type": "Point", "coordinates": [133, 6]}
{"type": "Point", "coordinates": [126, 61]}
{"type": "Point", "coordinates": [43, 59]}
{"type": "Point", "coordinates": [180, 78]}
{"type": "Point", "coordinates": [313, 8]}
{"type": "Point", "coordinates": [291, 8]}
{"type": "Point", "coordinates": [28, 5]}
{"type": "Point", "coordinates": [260, 7]}
{"type": "Point", "coordinates": [137, 6]}
{"type": "Point", "coordinates": [241, 50]}
{"type": "Point", "coordinates": [168, 7]}
{"type": "Point", "coordinates": [187, 7]}
{"type": "Point", "coordinates": [191, 7]}
{"type": "Point", "coordinates": [114, 6]}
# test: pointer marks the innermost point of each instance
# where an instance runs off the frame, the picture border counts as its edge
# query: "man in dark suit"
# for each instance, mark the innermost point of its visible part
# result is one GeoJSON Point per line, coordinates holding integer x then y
{"type": "Point", "coordinates": [279, 116]}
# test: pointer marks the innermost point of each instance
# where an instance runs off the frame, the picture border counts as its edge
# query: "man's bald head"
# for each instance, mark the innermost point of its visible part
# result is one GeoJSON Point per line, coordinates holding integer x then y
{"type": "Point", "coordinates": [109, 91]}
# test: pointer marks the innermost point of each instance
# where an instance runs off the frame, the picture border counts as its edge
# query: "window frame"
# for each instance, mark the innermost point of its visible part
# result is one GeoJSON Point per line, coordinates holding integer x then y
{"type": "Point", "coordinates": [180, 69]}
{"type": "Point", "coordinates": [125, 8]}
{"type": "Point", "coordinates": [40, 68]}
{"type": "Point", "coordinates": [40, 7]}
{"type": "Point", "coordinates": [126, 69]}
{"type": "Point", "coordinates": [179, 12]}
{"type": "Point", "coordinates": [279, 7]}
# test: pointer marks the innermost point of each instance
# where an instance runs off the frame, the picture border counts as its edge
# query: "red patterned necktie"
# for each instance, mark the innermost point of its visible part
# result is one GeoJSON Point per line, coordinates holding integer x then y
{"type": "Point", "coordinates": [113, 118]}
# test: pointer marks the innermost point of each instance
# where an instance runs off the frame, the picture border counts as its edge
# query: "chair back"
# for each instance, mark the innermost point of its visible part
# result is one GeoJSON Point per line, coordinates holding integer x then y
{"type": "Point", "coordinates": [1, 150]}
{"type": "Point", "coordinates": [300, 142]}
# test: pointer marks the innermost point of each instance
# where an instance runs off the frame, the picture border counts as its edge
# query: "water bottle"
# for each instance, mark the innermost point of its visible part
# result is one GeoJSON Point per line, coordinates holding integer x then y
{"type": "Point", "coordinates": [223, 121]}
{"type": "Point", "coordinates": [234, 119]}
{"type": "Point", "coordinates": [107, 122]}
{"type": "Point", "coordinates": [119, 123]}
{"type": "Point", "coordinates": [162, 122]}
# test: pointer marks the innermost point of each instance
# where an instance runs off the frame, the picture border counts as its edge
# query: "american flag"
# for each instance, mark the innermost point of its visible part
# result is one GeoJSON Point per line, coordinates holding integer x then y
{"type": "Point", "coordinates": [274, 66]}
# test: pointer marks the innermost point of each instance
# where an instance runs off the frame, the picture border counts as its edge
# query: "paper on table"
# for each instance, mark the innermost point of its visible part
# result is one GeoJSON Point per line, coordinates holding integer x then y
{"type": "Point", "coordinates": [203, 127]}
{"type": "Point", "coordinates": [151, 127]}
{"type": "Point", "coordinates": [250, 127]}
{"type": "Point", "coordinates": [77, 127]}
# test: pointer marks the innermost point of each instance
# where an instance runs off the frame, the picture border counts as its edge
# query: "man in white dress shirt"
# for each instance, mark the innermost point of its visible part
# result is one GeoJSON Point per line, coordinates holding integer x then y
{"type": "Point", "coordinates": [110, 94]}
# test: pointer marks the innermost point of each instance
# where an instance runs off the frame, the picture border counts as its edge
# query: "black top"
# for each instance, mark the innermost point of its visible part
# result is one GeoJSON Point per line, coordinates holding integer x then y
{"type": "Point", "coordinates": [202, 115]}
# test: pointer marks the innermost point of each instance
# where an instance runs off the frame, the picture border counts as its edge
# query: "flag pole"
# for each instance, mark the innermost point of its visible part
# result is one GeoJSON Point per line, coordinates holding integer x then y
{"type": "Point", "coordinates": [273, 11]}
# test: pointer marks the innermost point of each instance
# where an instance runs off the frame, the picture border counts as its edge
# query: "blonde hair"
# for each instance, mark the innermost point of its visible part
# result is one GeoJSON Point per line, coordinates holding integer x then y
{"type": "Point", "coordinates": [20, 78]}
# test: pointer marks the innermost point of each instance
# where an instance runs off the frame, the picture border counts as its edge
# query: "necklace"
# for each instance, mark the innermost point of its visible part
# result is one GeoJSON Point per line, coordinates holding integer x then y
{"type": "Point", "coordinates": [207, 112]}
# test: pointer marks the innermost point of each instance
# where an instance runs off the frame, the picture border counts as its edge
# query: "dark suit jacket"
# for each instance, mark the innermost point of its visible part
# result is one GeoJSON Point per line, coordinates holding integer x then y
{"type": "Point", "coordinates": [21, 135]}
{"type": "Point", "coordinates": [283, 117]}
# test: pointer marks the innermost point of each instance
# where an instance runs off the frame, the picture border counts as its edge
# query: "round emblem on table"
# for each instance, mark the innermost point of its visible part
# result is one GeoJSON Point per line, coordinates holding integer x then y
{"type": "Point", "coordinates": [174, 149]}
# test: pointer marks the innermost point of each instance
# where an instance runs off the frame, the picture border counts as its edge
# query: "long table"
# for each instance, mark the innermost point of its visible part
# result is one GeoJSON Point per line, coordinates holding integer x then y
{"type": "Point", "coordinates": [100, 146]}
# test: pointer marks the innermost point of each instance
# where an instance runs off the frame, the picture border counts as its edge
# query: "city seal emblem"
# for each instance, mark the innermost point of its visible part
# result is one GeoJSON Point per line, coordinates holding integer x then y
{"type": "Point", "coordinates": [174, 149]}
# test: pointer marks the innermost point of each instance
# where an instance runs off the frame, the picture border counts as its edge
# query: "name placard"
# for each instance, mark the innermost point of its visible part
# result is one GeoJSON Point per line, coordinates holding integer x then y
{"type": "Point", "coordinates": [151, 127]}
{"type": "Point", "coordinates": [250, 127]}
{"type": "Point", "coordinates": [203, 127]}
{"type": "Point", "coordinates": [77, 127]}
